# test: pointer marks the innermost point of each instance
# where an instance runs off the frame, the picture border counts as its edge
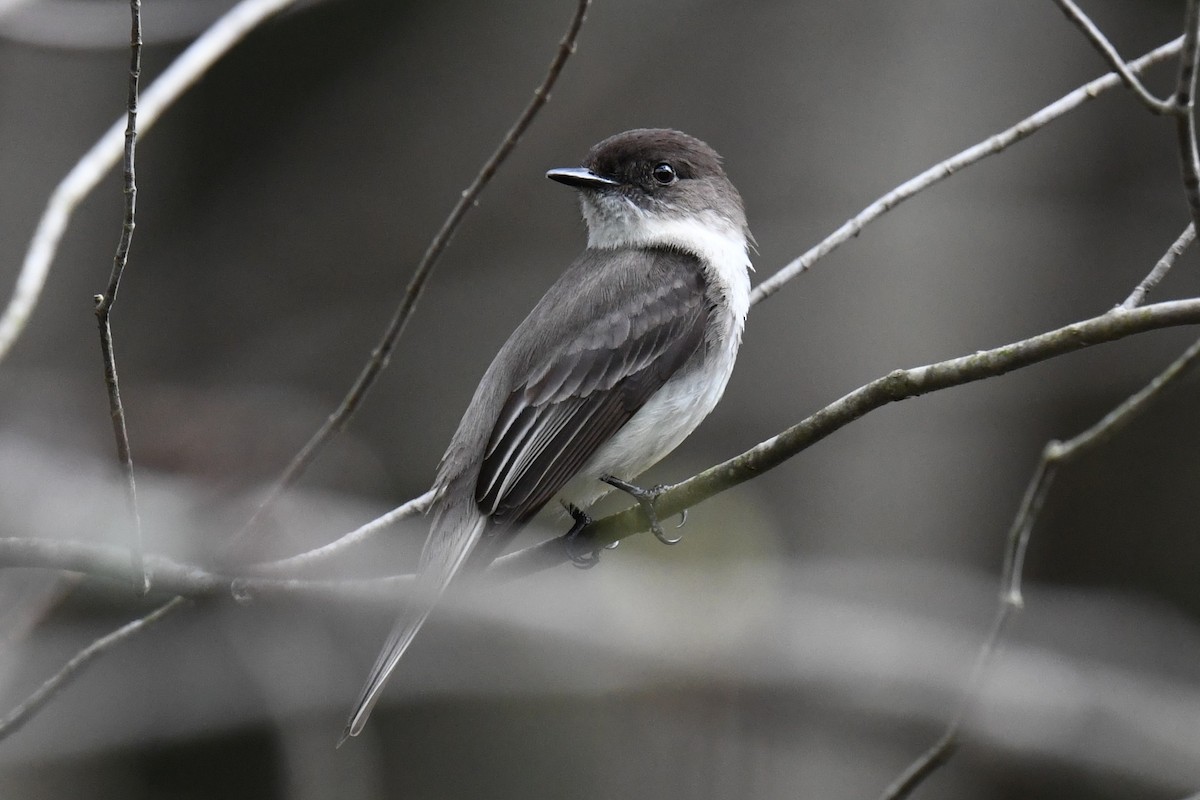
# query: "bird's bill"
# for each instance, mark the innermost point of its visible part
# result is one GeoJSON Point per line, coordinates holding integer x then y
{"type": "Point", "coordinates": [580, 178]}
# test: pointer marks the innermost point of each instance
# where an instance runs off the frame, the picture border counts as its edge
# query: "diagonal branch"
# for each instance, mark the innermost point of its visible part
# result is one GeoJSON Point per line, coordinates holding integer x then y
{"type": "Point", "coordinates": [898, 385]}
{"type": "Point", "coordinates": [939, 172]}
{"type": "Point", "coordinates": [13, 721]}
{"type": "Point", "coordinates": [336, 421]}
{"type": "Point", "coordinates": [1164, 265]}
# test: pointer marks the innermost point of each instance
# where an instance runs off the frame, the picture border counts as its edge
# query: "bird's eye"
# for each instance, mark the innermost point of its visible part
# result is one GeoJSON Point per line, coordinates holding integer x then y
{"type": "Point", "coordinates": [664, 174]}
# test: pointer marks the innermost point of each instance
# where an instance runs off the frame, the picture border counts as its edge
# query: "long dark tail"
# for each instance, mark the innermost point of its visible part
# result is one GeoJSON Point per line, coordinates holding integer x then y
{"type": "Point", "coordinates": [455, 529]}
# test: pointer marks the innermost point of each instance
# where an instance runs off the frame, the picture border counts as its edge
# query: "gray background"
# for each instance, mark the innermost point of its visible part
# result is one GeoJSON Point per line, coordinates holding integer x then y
{"type": "Point", "coordinates": [282, 206]}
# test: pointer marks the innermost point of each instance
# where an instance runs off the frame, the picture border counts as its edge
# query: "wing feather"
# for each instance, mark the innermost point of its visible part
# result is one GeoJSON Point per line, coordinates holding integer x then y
{"type": "Point", "coordinates": [581, 391]}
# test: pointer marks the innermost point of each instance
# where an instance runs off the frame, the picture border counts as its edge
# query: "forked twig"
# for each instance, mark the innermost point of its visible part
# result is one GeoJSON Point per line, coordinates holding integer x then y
{"type": "Point", "coordinates": [1182, 103]}
{"type": "Point", "coordinates": [1102, 44]}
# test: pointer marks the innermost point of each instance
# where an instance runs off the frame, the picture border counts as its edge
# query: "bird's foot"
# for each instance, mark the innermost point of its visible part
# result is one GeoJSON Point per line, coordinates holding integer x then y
{"type": "Point", "coordinates": [647, 498]}
{"type": "Point", "coordinates": [580, 560]}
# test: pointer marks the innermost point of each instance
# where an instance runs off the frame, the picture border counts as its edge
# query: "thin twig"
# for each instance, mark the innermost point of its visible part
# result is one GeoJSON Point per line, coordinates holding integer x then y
{"type": "Point", "coordinates": [105, 302]}
{"type": "Point", "coordinates": [1102, 44]}
{"type": "Point", "coordinates": [337, 421]}
{"type": "Point", "coordinates": [942, 170]}
{"type": "Point", "coordinates": [1054, 456]}
{"type": "Point", "coordinates": [1185, 104]}
{"type": "Point", "coordinates": [1164, 265]}
{"type": "Point", "coordinates": [107, 151]}
{"type": "Point", "coordinates": [57, 682]}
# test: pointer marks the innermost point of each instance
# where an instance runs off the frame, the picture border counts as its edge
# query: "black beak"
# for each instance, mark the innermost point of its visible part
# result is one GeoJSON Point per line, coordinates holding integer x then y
{"type": "Point", "coordinates": [580, 178]}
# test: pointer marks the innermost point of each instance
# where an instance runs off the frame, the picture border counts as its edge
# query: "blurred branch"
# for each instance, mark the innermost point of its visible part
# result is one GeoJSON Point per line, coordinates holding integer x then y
{"type": "Point", "coordinates": [1054, 456]}
{"type": "Point", "coordinates": [184, 580]}
{"type": "Point", "coordinates": [1164, 265]}
{"type": "Point", "coordinates": [942, 170]}
{"type": "Point", "coordinates": [57, 682]}
{"type": "Point", "coordinates": [297, 563]}
{"type": "Point", "coordinates": [89, 24]}
{"type": "Point", "coordinates": [104, 302]}
{"type": "Point", "coordinates": [104, 154]}
{"type": "Point", "coordinates": [336, 422]}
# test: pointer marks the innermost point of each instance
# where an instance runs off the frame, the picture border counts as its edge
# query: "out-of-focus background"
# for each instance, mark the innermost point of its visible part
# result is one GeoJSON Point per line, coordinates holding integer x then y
{"type": "Point", "coordinates": [810, 635]}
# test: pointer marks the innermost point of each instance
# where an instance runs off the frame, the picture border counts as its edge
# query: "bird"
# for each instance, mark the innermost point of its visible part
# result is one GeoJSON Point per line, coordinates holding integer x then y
{"type": "Point", "coordinates": [626, 353]}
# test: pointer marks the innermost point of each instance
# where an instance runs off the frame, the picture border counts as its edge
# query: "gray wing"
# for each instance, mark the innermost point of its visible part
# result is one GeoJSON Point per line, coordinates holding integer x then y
{"type": "Point", "coordinates": [577, 394]}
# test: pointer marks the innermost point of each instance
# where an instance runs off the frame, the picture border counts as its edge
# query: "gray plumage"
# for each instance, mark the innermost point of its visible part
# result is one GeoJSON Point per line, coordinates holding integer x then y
{"type": "Point", "coordinates": [620, 359]}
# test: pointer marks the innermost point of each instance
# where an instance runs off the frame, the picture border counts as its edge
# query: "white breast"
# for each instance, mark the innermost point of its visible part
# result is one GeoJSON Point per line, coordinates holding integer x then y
{"type": "Point", "coordinates": [683, 402]}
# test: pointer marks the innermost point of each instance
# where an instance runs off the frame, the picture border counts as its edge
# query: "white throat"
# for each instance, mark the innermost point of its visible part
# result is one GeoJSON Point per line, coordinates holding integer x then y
{"type": "Point", "coordinates": [720, 244]}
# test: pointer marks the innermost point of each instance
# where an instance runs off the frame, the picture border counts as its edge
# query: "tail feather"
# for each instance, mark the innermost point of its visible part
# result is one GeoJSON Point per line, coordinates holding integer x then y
{"type": "Point", "coordinates": [454, 532]}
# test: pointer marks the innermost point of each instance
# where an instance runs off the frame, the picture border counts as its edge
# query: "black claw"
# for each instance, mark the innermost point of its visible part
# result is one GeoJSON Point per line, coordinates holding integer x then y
{"type": "Point", "coordinates": [682, 518]}
{"type": "Point", "coordinates": [646, 499]}
{"type": "Point", "coordinates": [579, 560]}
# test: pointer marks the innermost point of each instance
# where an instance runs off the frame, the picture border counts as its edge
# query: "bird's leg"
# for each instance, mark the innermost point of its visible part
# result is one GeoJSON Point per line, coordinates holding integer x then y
{"type": "Point", "coordinates": [646, 499]}
{"type": "Point", "coordinates": [581, 521]}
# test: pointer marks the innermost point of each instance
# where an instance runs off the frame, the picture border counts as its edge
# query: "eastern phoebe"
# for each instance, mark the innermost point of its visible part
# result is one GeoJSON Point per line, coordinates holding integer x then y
{"type": "Point", "coordinates": [620, 360]}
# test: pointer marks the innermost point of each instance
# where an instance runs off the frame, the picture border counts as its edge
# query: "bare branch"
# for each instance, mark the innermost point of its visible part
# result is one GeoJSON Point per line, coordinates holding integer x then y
{"type": "Point", "coordinates": [1164, 265]}
{"type": "Point", "coordinates": [57, 682]}
{"type": "Point", "coordinates": [940, 171]}
{"type": "Point", "coordinates": [382, 352]}
{"type": "Point", "coordinates": [1054, 455]}
{"type": "Point", "coordinates": [898, 385]}
{"type": "Point", "coordinates": [104, 154]}
{"type": "Point", "coordinates": [1102, 44]}
{"type": "Point", "coordinates": [104, 302]}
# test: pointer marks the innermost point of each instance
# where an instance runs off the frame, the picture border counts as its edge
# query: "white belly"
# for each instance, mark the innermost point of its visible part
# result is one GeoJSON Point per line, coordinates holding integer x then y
{"type": "Point", "coordinates": [667, 418]}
